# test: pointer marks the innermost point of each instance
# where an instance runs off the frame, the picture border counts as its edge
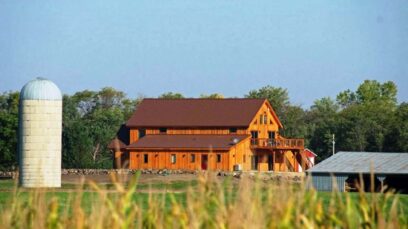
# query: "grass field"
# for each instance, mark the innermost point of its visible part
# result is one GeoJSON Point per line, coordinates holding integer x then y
{"type": "Point", "coordinates": [204, 202]}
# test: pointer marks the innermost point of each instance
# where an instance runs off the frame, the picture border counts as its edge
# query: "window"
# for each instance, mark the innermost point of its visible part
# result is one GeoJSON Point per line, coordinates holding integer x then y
{"type": "Point", "coordinates": [142, 133]}
{"type": "Point", "coordinates": [271, 134]}
{"type": "Point", "coordinates": [261, 119]}
{"type": "Point", "coordinates": [146, 158]}
{"type": "Point", "coordinates": [254, 134]}
{"type": "Point", "coordinates": [233, 130]}
{"type": "Point", "coordinates": [192, 158]}
{"type": "Point", "coordinates": [218, 158]}
{"type": "Point", "coordinates": [173, 159]}
{"type": "Point", "coordinates": [244, 159]}
{"type": "Point", "coordinates": [265, 119]}
{"type": "Point", "coordinates": [163, 130]}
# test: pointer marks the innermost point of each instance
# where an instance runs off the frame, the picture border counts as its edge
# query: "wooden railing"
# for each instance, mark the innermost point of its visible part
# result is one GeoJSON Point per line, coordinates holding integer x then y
{"type": "Point", "coordinates": [278, 143]}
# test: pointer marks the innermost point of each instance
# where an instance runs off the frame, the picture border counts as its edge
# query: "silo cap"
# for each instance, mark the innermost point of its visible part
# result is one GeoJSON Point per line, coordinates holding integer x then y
{"type": "Point", "coordinates": [40, 89]}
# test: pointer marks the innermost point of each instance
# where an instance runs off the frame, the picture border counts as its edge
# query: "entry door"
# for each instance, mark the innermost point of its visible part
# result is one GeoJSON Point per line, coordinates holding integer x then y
{"type": "Point", "coordinates": [204, 161]}
{"type": "Point", "coordinates": [254, 162]}
{"type": "Point", "coordinates": [270, 162]}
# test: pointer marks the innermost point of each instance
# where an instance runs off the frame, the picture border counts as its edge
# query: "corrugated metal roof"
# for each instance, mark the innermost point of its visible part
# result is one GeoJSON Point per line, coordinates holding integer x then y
{"type": "Point", "coordinates": [364, 162]}
{"type": "Point", "coordinates": [199, 142]}
{"type": "Point", "coordinates": [196, 113]}
{"type": "Point", "coordinates": [40, 89]}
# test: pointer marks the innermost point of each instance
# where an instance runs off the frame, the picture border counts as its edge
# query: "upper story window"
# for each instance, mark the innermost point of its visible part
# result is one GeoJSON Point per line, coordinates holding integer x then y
{"type": "Point", "coordinates": [163, 130]}
{"type": "Point", "coordinates": [142, 133]}
{"type": "Point", "coordinates": [261, 119]}
{"type": "Point", "coordinates": [271, 134]}
{"type": "Point", "coordinates": [254, 134]}
{"type": "Point", "coordinates": [265, 117]}
{"type": "Point", "coordinates": [233, 130]}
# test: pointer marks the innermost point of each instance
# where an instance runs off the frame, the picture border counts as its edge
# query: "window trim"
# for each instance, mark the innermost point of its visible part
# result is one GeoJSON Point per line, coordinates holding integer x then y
{"type": "Point", "coordinates": [173, 156]}
{"type": "Point", "coordinates": [219, 158]}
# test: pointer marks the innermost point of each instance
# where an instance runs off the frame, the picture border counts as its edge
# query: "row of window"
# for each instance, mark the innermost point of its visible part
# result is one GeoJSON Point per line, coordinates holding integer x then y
{"type": "Point", "coordinates": [254, 134]}
{"type": "Point", "coordinates": [173, 158]}
{"type": "Point", "coordinates": [142, 132]}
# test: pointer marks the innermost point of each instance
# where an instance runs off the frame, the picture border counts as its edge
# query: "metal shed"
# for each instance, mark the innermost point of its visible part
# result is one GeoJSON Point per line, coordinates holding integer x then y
{"type": "Point", "coordinates": [390, 169]}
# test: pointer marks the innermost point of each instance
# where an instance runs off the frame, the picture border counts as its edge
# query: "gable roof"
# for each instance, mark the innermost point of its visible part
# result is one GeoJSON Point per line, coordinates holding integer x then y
{"type": "Point", "coordinates": [183, 141]}
{"type": "Point", "coordinates": [361, 162]}
{"type": "Point", "coordinates": [196, 113]}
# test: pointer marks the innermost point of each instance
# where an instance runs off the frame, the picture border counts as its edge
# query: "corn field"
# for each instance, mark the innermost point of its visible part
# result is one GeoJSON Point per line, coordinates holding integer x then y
{"type": "Point", "coordinates": [211, 203]}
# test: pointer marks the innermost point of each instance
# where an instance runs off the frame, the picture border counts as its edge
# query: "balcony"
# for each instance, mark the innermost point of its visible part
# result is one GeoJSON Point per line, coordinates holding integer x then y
{"type": "Point", "coordinates": [265, 143]}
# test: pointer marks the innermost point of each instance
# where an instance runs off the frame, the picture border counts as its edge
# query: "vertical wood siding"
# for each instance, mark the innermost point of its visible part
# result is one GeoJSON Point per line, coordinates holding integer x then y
{"type": "Point", "coordinates": [162, 160]}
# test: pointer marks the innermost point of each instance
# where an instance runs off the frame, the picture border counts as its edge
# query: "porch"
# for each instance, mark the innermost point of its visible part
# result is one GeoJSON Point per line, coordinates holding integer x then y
{"type": "Point", "coordinates": [279, 155]}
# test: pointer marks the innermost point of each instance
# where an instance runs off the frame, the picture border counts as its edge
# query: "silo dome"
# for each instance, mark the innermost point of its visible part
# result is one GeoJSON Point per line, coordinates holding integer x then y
{"type": "Point", "coordinates": [40, 89]}
{"type": "Point", "coordinates": [40, 127]}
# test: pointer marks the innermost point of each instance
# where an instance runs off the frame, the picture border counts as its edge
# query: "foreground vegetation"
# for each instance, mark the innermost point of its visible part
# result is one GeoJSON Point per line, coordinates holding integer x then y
{"type": "Point", "coordinates": [207, 203]}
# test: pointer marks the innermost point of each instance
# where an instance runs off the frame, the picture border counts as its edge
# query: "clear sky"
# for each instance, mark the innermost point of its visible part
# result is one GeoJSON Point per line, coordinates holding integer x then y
{"type": "Point", "coordinates": [312, 48]}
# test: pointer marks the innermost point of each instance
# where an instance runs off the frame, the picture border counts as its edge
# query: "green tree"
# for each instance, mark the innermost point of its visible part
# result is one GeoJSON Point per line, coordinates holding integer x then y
{"type": "Point", "coordinates": [397, 139]}
{"type": "Point", "coordinates": [294, 122]}
{"type": "Point", "coordinates": [366, 117]}
{"type": "Point", "coordinates": [90, 122]}
{"type": "Point", "coordinates": [277, 96]}
{"type": "Point", "coordinates": [322, 124]}
{"type": "Point", "coordinates": [171, 95]}
{"type": "Point", "coordinates": [212, 96]}
{"type": "Point", "coordinates": [9, 103]}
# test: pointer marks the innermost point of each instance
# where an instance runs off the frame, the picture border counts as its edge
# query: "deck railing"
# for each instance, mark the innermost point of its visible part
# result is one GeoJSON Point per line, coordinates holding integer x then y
{"type": "Point", "coordinates": [278, 143]}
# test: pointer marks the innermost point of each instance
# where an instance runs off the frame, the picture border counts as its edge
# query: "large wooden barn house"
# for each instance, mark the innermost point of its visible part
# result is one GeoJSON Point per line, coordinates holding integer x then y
{"type": "Point", "coordinates": [206, 134]}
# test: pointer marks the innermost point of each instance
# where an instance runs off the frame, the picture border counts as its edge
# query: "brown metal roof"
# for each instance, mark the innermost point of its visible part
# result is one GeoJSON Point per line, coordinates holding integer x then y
{"type": "Point", "coordinates": [198, 142]}
{"type": "Point", "coordinates": [195, 113]}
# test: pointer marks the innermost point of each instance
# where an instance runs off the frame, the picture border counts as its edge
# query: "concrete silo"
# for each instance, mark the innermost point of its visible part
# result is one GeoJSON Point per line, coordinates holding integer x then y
{"type": "Point", "coordinates": [40, 127]}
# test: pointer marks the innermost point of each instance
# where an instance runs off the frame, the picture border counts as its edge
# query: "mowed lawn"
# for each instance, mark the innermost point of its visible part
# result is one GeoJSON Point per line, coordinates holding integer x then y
{"type": "Point", "coordinates": [169, 192]}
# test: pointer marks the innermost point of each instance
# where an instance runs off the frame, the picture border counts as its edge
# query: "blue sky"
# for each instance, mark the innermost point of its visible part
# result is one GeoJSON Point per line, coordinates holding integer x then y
{"type": "Point", "coordinates": [312, 48]}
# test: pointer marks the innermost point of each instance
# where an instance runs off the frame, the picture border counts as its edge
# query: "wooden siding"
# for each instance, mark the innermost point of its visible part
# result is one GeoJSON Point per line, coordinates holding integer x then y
{"type": "Point", "coordinates": [196, 131]}
{"type": "Point", "coordinates": [162, 160]}
{"type": "Point", "coordinates": [241, 154]}
{"type": "Point", "coordinates": [262, 128]}
{"type": "Point", "coordinates": [134, 135]}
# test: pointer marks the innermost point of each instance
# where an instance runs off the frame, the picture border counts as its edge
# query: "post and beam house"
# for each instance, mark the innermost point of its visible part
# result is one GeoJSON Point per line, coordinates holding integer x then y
{"type": "Point", "coordinates": [207, 134]}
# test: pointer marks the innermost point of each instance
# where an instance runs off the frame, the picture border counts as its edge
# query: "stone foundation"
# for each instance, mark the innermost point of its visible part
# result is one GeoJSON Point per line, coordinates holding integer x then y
{"type": "Point", "coordinates": [263, 176]}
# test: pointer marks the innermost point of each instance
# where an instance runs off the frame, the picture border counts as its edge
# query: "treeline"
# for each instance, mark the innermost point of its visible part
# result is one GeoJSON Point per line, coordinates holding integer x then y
{"type": "Point", "coordinates": [368, 119]}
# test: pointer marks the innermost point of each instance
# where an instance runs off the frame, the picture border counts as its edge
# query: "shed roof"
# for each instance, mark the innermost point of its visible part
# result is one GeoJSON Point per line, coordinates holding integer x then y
{"type": "Point", "coordinates": [364, 162]}
{"type": "Point", "coordinates": [198, 142]}
{"type": "Point", "coordinates": [196, 113]}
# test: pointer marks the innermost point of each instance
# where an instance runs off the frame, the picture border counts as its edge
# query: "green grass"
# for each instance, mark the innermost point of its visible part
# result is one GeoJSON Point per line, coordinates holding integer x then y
{"type": "Point", "coordinates": [7, 185]}
{"type": "Point", "coordinates": [203, 203]}
{"type": "Point", "coordinates": [89, 196]}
